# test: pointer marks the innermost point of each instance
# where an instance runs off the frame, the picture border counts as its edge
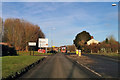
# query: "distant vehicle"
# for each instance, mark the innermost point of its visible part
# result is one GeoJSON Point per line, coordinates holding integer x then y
{"type": "Point", "coordinates": [41, 50]}
{"type": "Point", "coordinates": [63, 49]}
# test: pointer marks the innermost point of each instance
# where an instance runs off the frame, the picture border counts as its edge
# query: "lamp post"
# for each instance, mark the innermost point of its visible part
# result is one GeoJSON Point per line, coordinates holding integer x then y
{"type": "Point", "coordinates": [53, 28]}
{"type": "Point", "coordinates": [51, 35]}
{"type": "Point", "coordinates": [113, 4]}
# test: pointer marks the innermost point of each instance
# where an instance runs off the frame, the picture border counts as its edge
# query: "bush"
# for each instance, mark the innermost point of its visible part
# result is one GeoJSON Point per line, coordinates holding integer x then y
{"type": "Point", "coordinates": [93, 48]}
{"type": "Point", "coordinates": [8, 51]}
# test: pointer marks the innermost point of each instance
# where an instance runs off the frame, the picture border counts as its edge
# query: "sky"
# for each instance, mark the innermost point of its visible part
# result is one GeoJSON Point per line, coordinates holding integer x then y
{"type": "Point", "coordinates": [62, 21]}
{"type": "Point", "coordinates": [59, 0]}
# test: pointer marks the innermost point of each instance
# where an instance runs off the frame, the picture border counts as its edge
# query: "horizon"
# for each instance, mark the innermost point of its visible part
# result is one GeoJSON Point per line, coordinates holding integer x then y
{"type": "Point", "coordinates": [67, 19]}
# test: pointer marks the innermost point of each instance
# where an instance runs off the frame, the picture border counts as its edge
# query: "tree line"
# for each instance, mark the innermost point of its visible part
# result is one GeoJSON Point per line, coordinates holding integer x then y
{"type": "Point", "coordinates": [108, 45]}
{"type": "Point", "coordinates": [18, 32]}
{"type": "Point", "coordinates": [1, 29]}
{"type": "Point", "coordinates": [71, 48]}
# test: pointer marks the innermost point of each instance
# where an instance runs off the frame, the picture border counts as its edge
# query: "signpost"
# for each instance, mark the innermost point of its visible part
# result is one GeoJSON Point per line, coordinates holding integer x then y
{"type": "Point", "coordinates": [31, 44]}
{"type": "Point", "coordinates": [43, 43]}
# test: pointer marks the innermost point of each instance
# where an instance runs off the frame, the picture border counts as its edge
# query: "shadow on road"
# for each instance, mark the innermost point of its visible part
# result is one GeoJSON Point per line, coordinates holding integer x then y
{"type": "Point", "coordinates": [71, 71]}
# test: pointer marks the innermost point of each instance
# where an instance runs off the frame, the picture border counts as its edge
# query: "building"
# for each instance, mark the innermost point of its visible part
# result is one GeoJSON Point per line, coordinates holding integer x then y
{"type": "Point", "coordinates": [91, 41]}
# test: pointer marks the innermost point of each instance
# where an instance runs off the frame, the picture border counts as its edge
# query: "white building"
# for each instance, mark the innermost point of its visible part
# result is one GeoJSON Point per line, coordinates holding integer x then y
{"type": "Point", "coordinates": [91, 41]}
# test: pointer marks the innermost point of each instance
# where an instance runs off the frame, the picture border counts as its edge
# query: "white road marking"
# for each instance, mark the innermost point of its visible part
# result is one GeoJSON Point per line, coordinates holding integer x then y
{"type": "Point", "coordinates": [77, 62]}
{"type": "Point", "coordinates": [90, 69]}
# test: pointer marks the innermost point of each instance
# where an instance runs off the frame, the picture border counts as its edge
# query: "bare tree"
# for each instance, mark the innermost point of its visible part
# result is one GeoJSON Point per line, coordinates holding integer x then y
{"type": "Point", "coordinates": [19, 32]}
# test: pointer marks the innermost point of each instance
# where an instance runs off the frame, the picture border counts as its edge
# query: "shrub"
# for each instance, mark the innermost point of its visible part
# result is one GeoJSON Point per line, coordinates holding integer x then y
{"type": "Point", "coordinates": [8, 51]}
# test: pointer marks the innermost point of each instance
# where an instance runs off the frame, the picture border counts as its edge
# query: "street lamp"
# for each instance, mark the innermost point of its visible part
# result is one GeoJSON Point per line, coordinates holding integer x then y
{"type": "Point", "coordinates": [113, 4]}
{"type": "Point", "coordinates": [51, 29]}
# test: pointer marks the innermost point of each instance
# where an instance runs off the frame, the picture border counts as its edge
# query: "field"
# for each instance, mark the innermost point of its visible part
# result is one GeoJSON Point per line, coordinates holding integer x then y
{"type": "Point", "coordinates": [12, 64]}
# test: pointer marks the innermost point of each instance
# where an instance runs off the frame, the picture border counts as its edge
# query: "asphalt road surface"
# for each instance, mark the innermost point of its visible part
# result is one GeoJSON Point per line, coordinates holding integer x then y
{"type": "Point", "coordinates": [58, 66]}
{"type": "Point", "coordinates": [106, 66]}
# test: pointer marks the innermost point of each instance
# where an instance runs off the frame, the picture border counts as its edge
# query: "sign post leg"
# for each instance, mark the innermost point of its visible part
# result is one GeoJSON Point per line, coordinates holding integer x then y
{"type": "Point", "coordinates": [33, 51]}
{"type": "Point", "coordinates": [30, 50]}
{"type": "Point", "coordinates": [46, 50]}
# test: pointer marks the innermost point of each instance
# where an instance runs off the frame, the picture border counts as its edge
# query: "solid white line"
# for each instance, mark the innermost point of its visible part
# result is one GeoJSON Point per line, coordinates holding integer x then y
{"type": "Point", "coordinates": [90, 69]}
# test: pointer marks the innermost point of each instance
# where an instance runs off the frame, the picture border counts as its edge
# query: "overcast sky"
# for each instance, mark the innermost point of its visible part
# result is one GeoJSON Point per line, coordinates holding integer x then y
{"type": "Point", "coordinates": [62, 21]}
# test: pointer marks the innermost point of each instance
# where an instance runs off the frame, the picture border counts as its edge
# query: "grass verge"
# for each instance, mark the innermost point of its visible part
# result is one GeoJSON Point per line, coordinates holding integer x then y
{"type": "Point", "coordinates": [12, 64]}
{"type": "Point", "coordinates": [22, 53]}
{"type": "Point", "coordinates": [71, 52]}
{"type": "Point", "coordinates": [111, 55]}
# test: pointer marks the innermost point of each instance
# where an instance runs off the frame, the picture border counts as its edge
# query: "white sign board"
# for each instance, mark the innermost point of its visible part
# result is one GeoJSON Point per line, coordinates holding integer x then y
{"type": "Point", "coordinates": [32, 43]}
{"type": "Point", "coordinates": [42, 42]}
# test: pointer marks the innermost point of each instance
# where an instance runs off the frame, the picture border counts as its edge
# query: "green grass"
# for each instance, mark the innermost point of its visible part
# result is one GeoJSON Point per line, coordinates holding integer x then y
{"type": "Point", "coordinates": [71, 52]}
{"type": "Point", "coordinates": [112, 55]}
{"type": "Point", "coordinates": [12, 64]}
{"type": "Point", "coordinates": [22, 53]}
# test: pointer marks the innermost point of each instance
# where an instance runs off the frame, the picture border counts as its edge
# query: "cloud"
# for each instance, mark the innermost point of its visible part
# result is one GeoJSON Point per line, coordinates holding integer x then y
{"type": "Point", "coordinates": [69, 19]}
{"type": "Point", "coordinates": [38, 7]}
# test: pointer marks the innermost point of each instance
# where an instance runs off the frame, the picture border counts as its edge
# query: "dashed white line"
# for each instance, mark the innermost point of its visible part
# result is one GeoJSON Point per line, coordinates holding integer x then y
{"type": "Point", "coordinates": [89, 69]}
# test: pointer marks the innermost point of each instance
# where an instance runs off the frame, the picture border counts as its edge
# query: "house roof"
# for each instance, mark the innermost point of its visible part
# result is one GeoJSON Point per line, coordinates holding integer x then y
{"type": "Point", "coordinates": [92, 41]}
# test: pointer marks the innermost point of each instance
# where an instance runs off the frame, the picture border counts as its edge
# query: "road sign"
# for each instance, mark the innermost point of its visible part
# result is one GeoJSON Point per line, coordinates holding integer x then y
{"type": "Point", "coordinates": [79, 52]}
{"type": "Point", "coordinates": [53, 46]}
{"type": "Point", "coordinates": [42, 42]}
{"type": "Point", "coordinates": [32, 43]}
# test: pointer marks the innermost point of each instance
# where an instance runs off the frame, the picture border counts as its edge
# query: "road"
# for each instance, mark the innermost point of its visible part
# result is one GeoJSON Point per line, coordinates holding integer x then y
{"type": "Point", "coordinates": [58, 66]}
{"type": "Point", "coordinates": [106, 66]}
